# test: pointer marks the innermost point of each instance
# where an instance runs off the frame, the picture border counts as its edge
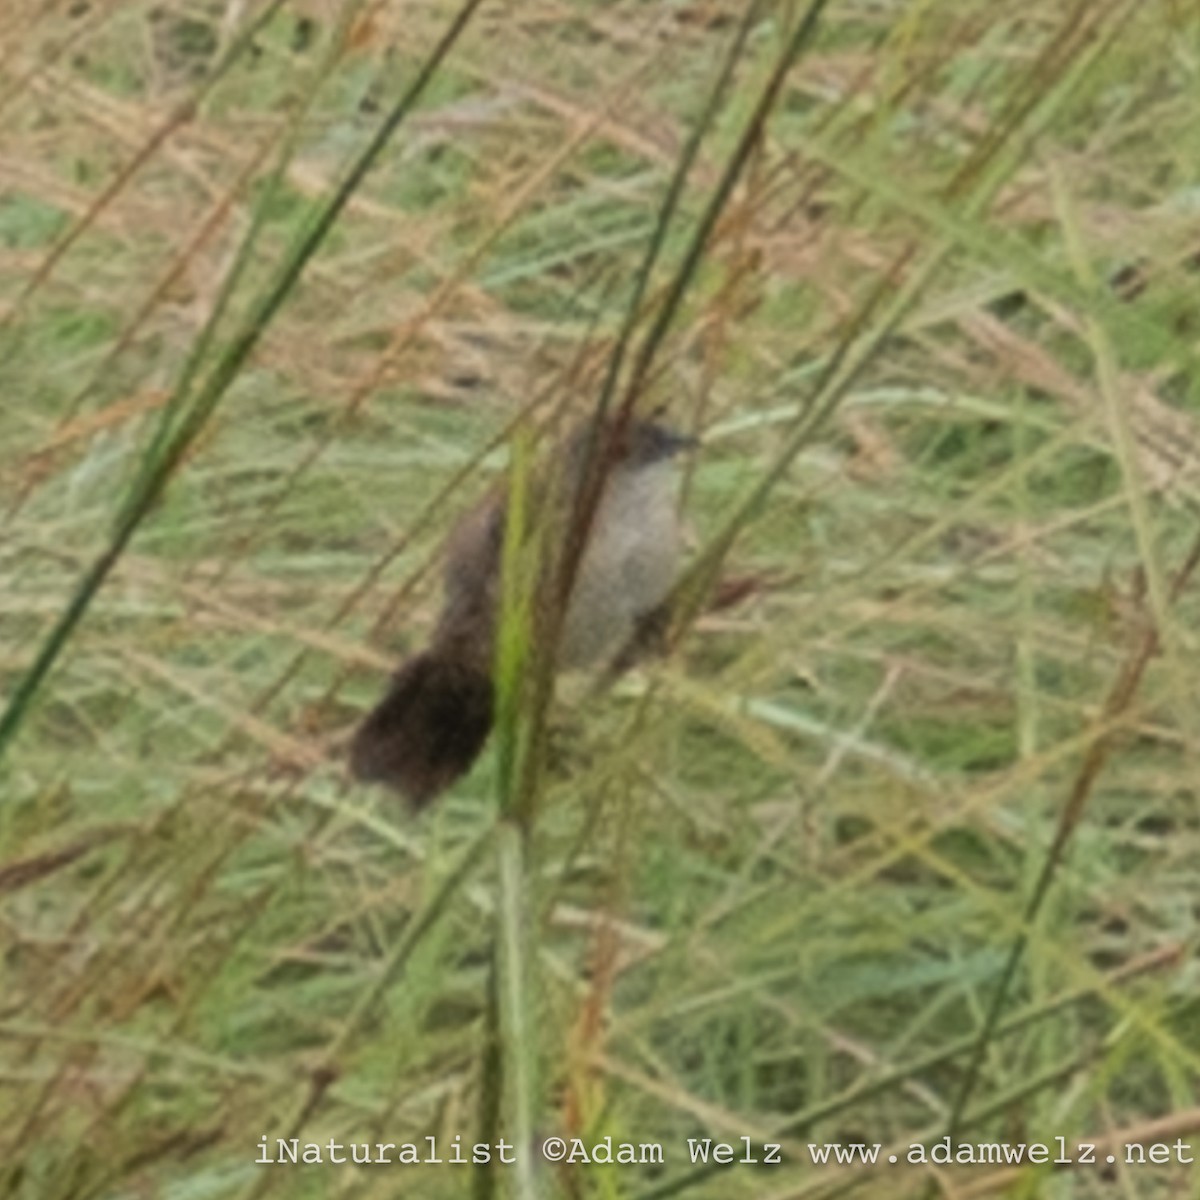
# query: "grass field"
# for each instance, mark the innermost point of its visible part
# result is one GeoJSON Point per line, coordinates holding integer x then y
{"type": "Point", "coordinates": [903, 845]}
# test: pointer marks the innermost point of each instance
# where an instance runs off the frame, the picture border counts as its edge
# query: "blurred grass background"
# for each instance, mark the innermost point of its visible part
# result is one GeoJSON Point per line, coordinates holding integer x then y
{"type": "Point", "coordinates": [777, 885]}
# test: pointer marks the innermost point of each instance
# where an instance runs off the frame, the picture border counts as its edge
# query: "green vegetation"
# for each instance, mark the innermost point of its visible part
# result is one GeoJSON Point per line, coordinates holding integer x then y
{"type": "Point", "coordinates": [903, 842]}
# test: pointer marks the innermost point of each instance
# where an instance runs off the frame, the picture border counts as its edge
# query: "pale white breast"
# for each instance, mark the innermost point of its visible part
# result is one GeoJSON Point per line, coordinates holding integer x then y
{"type": "Point", "coordinates": [630, 563]}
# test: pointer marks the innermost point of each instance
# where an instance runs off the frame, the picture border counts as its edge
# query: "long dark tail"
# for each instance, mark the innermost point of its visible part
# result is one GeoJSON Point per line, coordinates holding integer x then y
{"type": "Point", "coordinates": [427, 730]}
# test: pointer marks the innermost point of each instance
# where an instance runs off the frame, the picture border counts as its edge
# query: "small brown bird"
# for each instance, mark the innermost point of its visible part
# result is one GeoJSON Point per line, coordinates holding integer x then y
{"type": "Point", "coordinates": [437, 713]}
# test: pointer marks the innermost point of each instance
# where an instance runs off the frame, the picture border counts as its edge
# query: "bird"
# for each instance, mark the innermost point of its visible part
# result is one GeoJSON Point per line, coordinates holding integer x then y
{"type": "Point", "coordinates": [437, 712]}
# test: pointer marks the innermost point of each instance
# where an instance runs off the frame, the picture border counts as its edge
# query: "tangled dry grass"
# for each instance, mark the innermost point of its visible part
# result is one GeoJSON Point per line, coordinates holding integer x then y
{"type": "Point", "coordinates": [905, 842]}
